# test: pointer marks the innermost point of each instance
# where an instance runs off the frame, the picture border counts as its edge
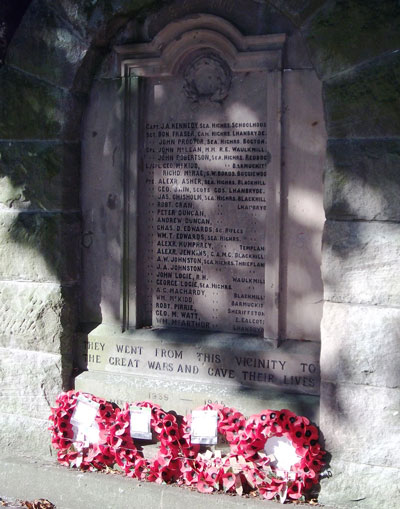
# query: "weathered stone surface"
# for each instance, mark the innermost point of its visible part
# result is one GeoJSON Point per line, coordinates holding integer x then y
{"type": "Point", "coordinates": [241, 14]}
{"type": "Point", "coordinates": [362, 179]}
{"type": "Point", "coordinates": [365, 102]}
{"type": "Point", "coordinates": [360, 486]}
{"type": "Point", "coordinates": [99, 20]}
{"type": "Point", "coordinates": [343, 34]}
{"type": "Point", "coordinates": [37, 316]}
{"type": "Point", "coordinates": [30, 382]}
{"type": "Point", "coordinates": [297, 10]}
{"type": "Point", "coordinates": [236, 361]}
{"type": "Point", "coordinates": [32, 109]}
{"type": "Point", "coordinates": [296, 54]}
{"type": "Point", "coordinates": [361, 262]}
{"type": "Point", "coordinates": [44, 45]}
{"type": "Point", "coordinates": [184, 396]}
{"type": "Point", "coordinates": [76, 13]}
{"type": "Point", "coordinates": [365, 350]}
{"type": "Point", "coordinates": [102, 202]}
{"type": "Point", "coordinates": [25, 436]}
{"type": "Point", "coordinates": [304, 147]}
{"type": "Point", "coordinates": [361, 423]}
{"type": "Point", "coordinates": [39, 175]}
{"type": "Point", "coordinates": [39, 246]}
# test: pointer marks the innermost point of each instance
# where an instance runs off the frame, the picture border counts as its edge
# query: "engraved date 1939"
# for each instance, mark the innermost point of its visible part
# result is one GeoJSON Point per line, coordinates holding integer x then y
{"type": "Point", "coordinates": [158, 396]}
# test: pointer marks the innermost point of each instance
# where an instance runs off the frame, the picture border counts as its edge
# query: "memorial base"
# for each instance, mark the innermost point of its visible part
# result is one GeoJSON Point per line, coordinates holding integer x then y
{"type": "Point", "coordinates": [183, 369]}
{"type": "Point", "coordinates": [182, 397]}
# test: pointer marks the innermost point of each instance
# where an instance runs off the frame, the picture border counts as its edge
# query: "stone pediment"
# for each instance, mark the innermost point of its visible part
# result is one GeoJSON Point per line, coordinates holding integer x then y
{"type": "Point", "coordinates": [178, 41]}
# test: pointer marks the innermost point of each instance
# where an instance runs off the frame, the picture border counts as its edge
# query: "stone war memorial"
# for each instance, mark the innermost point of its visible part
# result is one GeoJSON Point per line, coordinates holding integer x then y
{"type": "Point", "coordinates": [199, 206]}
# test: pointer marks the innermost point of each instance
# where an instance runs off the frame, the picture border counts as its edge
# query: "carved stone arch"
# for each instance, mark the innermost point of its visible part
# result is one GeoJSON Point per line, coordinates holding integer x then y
{"type": "Point", "coordinates": [164, 55]}
{"type": "Point", "coordinates": [201, 44]}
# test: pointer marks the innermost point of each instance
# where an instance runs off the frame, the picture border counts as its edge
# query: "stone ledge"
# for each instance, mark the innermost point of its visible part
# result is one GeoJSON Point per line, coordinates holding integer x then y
{"type": "Point", "coordinates": [73, 489]}
{"type": "Point", "coordinates": [184, 396]}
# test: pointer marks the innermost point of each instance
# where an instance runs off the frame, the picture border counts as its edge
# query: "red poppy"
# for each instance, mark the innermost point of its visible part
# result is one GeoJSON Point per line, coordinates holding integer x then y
{"type": "Point", "coordinates": [203, 486]}
{"type": "Point", "coordinates": [295, 490]}
{"type": "Point", "coordinates": [228, 481]}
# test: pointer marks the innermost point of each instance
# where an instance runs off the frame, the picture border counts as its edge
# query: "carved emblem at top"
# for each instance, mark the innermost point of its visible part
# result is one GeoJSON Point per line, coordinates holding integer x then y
{"type": "Point", "coordinates": [207, 77]}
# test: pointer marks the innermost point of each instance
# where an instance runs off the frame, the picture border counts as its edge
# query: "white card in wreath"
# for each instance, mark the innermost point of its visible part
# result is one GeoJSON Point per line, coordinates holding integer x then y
{"type": "Point", "coordinates": [79, 436]}
{"type": "Point", "coordinates": [282, 452]}
{"type": "Point", "coordinates": [86, 435]}
{"type": "Point", "coordinates": [83, 420]}
{"type": "Point", "coordinates": [85, 412]}
{"type": "Point", "coordinates": [204, 427]}
{"type": "Point", "coordinates": [140, 422]}
{"type": "Point", "coordinates": [92, 433]}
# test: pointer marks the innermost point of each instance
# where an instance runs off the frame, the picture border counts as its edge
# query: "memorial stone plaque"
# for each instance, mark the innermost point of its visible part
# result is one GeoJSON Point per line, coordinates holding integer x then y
{"type": "Point", "coordinates": [201, 228]}
{"type": "Point", "coordinates": [208, 185]}
{"type": "Point", "coordinates": [205, 190]}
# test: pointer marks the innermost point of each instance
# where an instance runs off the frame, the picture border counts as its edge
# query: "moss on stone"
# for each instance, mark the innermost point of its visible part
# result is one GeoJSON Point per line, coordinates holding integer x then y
{"type": "Point", "coordinates": [40, 246]}
{"type": "Point", "coordinates": [348, 32]}
{"type": "Point", "coordinates": [91, 16]}
{"type": "Point", "coordinates": [39, 175]}
{"type": "Point", "coordinates": [46, 46]}
{"type": "Point", "coordinates": [29, 108]}
{"type": "Point", "coordinates": [297, 10]}
{"type": "Point", "coordinates": [365, 102]}
{"type": "Point", "coordinates": [362, 180]}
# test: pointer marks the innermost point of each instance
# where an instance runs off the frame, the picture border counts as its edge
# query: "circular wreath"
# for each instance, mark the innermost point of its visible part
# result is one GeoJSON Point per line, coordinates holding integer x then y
{"type": "Point", "coordinates": [212, 471]}
{"type": "Point", "coordinates": [303, 436]}
{"type": "Point", "coordinates": [247, 467]}
{"type": "Point", "coordinates": [166, 466]}
{"type": "Point", "coordinates": [74, 453]}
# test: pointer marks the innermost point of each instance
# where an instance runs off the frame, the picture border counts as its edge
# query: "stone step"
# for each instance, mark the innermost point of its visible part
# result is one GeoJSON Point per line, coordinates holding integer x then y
{"type": "Point", "coordinates": [27, 479]}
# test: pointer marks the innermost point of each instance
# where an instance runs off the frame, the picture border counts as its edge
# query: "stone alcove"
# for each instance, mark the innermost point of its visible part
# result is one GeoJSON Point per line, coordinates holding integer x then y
{"type": "Point", "coordinates": [49, 69]}
{"type": "Point", "coordinates": [117, 205]}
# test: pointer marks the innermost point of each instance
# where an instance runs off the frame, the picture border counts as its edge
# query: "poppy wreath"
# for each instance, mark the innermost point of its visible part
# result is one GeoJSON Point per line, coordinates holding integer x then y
{"type": "Point", "coordinates": [73, 453]}
{"type": "Point", "coordinates": [230, 423]}
{"type": "Point", "coordinates": [211, 472]}
{"type": "Point", "coordinates": [231, 473]}
{"type": "Point", "coordinates": [246, 468]}
{"type": "Point", "coordinates": [304, 438]}
{"type": "Point", "coordinates": [166, 466]}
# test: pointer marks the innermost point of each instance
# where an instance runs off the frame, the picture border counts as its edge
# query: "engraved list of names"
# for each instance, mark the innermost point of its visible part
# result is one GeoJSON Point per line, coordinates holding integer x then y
{"type": "Point", "coordinates": [204, 187]}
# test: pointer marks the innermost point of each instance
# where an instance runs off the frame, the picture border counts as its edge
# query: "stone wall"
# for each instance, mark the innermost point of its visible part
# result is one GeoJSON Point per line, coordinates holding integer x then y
{"type": "Point", "coordinates": [49, 66]}
{"type": "Point", "coordinates": [354, 47]}
{"type": "Point", "coordinates": [50, 62]}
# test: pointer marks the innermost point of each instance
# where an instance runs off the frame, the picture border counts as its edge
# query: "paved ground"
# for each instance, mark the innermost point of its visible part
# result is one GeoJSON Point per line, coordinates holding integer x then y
{"type": "Point", "coordinates": [28, 480]}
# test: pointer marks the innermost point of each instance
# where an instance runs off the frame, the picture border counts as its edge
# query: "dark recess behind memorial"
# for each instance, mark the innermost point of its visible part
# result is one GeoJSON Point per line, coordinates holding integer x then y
{"type": "Point", "coordinates": [11, 12]}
